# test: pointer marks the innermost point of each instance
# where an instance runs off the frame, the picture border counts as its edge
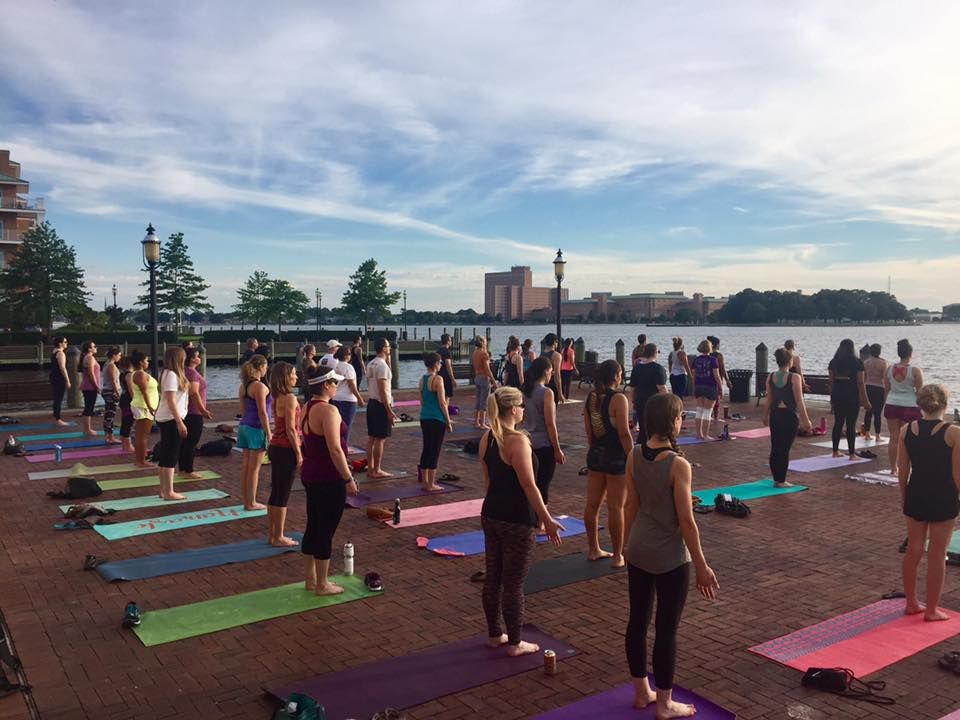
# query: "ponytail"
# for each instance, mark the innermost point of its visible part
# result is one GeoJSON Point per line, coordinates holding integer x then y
{"type": "Point", "coordinates": [499, 403]}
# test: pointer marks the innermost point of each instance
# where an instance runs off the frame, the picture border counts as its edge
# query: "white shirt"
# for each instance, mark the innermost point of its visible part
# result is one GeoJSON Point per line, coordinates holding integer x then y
{"type": "Point", "coordinates": [168, 383]}
{"type": "Point", "coordinates": [344, 394]}
{"type": "Point", "coordinates": [378, 369]}
{"type": "Point", "coordinates": [328, 359]}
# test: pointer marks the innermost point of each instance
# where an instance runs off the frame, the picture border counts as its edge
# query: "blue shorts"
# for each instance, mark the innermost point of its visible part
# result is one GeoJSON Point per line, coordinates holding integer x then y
{"type": "Point", "coordinates": [251, 438]}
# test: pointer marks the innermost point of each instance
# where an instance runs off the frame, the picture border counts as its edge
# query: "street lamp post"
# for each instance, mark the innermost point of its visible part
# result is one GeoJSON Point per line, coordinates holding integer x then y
{"type": "Point", "coordinates": [404, 314]}
{"type": "Point", "coordinates": [114, 296]}
{"type": "Point", "coordinates": [319, 296]}
{"type": "Point", "coordinates": [558, 264]}
{"type": "Point", "coordinates": [151, 258]}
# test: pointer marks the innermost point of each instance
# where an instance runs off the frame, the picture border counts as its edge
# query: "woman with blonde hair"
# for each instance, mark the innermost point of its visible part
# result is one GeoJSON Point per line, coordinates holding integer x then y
{"type": "Point", "coordinates": [284, 451]}
{"type": "Point", "coordinates": [175, 396]}
{"type": "Point", "coordinates": [145, 397]}
{"type": "Point", "coordinates": [254, 427]}
{"type": "Point", "coordinates": [929, 475]}
{"type": "Point", "coordinates": [512, 509]}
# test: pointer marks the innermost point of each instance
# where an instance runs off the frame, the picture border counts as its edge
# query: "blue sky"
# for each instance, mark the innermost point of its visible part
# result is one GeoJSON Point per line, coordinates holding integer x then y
{"type": "Point", "coordinates": [679, 145]}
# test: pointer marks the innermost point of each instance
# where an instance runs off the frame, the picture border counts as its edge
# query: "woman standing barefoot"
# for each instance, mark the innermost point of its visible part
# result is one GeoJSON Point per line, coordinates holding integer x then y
{"type": "Point", "coordinates": [326, 477]}
{"type": "Point", "coordinates": [196, 412]}
{"type": "Point", "coordinates": [284, 451]}
{"type": "Point", "coordinates": [434, 420]}
{"type": "Point", "coordinates": [847, 394]}
{"type": "Point", "coordinates": [902, 381]}
{"type": "Point", "coordinates": [785, 413]}
{"type": "Point", "coordinates": [707, 387]}
{"type": "Point", "coordinates": [143, 406]}
{"type": "Point", "coordinates": [663, 540]}
{"type": "Point", "coordinates": [59, 377]}
{"type": "Point", "coordinates": [170, 417]}
{"type": "Point", "coordinates": [929, 474]}
{"type": "Point", "coordinates": [679, 366]}
{"type": "Point", "coordinates": [511, 506]}
{"type": "Point", "coordinates": [254, 427]}
{"type": "Point", "coordinates": [110, 388]}
{"type": "Point", "coordinates": [483, 380]}
{"type": "Point", "coordinates": [606, 419]}
{"type": "Point", "coordinates": [126, 397]}
{"type": "Point", "coordinates": [874, 370]}
{"type": "Point", "coordinates": [540, 420]}
{"type": "Point", "coordinates": [89, 385]}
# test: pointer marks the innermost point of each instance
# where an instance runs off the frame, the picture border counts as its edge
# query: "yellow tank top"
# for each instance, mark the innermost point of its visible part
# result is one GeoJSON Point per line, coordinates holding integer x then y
{"type": "Point", "coordinates": [153, 394]}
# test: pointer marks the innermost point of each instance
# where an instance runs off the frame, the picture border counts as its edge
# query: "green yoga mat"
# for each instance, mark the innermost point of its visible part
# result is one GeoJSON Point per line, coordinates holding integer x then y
{"type": "Point", "coordinates": [54, 436]}
{"type": "Point", "coordinates": [954, 545]}
{"type": "Point", "coordinates": [149, 526]}
{"type": "Point", "coordinates": [145, 501]}
{"type": "Point", "coordinates": [81, 470]}
{"type": "Point", "coordinates": [163, 626]}
{"type": "Point", "coordinates": [150, 481]}
{"type": "Point", "coordinates": [748, 491]}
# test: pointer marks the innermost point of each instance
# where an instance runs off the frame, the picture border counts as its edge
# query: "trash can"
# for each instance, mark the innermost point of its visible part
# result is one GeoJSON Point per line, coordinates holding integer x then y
{"type": "Point", "coordinates": [740, 385]}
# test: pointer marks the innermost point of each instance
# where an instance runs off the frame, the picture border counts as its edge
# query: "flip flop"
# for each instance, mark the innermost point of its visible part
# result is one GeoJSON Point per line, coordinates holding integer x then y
{"type": "Point", "coordinates": [448, 477]}
{"type": "Point", "coordinates": [583, 471]}
{"type": "Point", "coordinates": [478, 576]}
{"type": "Point", "coordinates": [448, 553]}
{"type": "Point", "coordinates": [421, 541]}
{"type": "Point", "coordinates": [405, 418]}
{"type": "Point", "coordinates": [950, 661]}
{"type": "Point", "coordinates": [893, 595]}
{"type": "Point", "coordinates": [703, 509]}
{"type": "Point", "coordinates": [869, 455]}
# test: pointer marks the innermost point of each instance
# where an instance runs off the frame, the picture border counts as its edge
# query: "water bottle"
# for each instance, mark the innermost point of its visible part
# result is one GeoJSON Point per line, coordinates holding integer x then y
{"type": "Point", "coordinates": [291, 708]}
{"type": "Point", "coordinates": [58, 453]}
{"type": "Point", "coordinates": [396, 511]}
{"type": "Point", "coordinates": [348, 559]}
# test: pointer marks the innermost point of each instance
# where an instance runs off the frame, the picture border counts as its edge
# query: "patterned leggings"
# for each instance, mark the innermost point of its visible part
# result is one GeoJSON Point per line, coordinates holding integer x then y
{"type": "Point", "coordinates": [509, 547]}
{"type": "Point", "coordinates": [109, 410]}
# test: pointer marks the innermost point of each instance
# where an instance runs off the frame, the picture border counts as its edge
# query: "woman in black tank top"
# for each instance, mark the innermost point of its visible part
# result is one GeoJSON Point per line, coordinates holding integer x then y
{"type": "Point", "coordinates": [785, 413]}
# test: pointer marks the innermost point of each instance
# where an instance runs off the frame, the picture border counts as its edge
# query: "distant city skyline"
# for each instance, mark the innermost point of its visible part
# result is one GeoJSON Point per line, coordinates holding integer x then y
{"type": "Point", "coordinates": [708, 147]}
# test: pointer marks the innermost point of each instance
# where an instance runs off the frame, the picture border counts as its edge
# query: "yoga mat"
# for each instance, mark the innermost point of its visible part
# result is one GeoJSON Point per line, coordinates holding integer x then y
{"type": "Point", "coordinates": [692, 440]}
{"type": "Point", "coordinates": [215, 425]}
{"type": "Point", "coordinates": [459, 442]}
{"type": "Point", "coordinates": [955, 715]}
{"type": "Point", "coordinates": [354, 450]}
{"type": "Point", "coordinates": [389, 494]}
{"type": "Point", "coordinates": [80, 454]}
{"type": "Point", "coordinates": [410, 680]}
{"type": "Point", "coordinates": [471, 543]}
{"type": "Point", "coordinates": [860, 442]}
{"type": "Point", "coordinates": [81, 470]}
{"type": "Point", "coordinates": [150, 481]}
{"type": "Point", "coordinates": [864, 640]}
{"type": "Point", "coordinates": [760, 432]}
{"type": "Point", "coordinates": [149, 526]}
{"type": "Point", "coordinates": [884, 477]}
{"type": "Point", "coordinates": [148, 566]}
{"type": "Point", "coordinates": [617, 704]}
{"type": "Point", "coordinates": [438, 513]}
{"type": "Point", "coordinates": [747, 491]}
{"type": "Point", "coordinates": [823, 462]}
{"type": "Point", "coordinates": [408, 424]}
{"type": "Point", "coordinates": [14, 428]}
{"type": "Point", "coordinates": [566, 570]}
{"type": "Point", "coordinates": [954, 546]}
{"type": "Point", "coordinates": [52, 436]}
{"type": "Point", "coordinates": [144, 501]}
{"type": "Point", "coordinates": [407, 403]}
{"type": "Point", "coordinates": [32, 447]}
{"type": "Point", "coordinates": [164, 626]}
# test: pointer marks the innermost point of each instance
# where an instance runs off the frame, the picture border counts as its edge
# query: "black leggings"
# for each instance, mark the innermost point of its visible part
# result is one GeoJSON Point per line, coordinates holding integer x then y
{"type": "Point", "coordinates": [188, 446]}
{"type": "Point", "coordinates": [283, 468]}
{"type": "Point", "coordinates": [845, 410]}
{"type": "Point", "coordinates": [876, 395]}
{"type": "Point", "coordinates": [89, 400]}
{"type": "Point", "coordinates": [784, 424]}
{"type": "Point", "coordinates": [59, 390]}
{"type": "Point", "coordinates": [126, 420]}
{"type": "Point", "coordinates": [566, 377]}
{"type": "Point", "coordinates": [325, 502]}
{"type": "Point", "coordinates": [432, 431]}
{"type": "Point", "coordinates": [509, 547]}
{"type": "Point", "coordinates": [671, 592]}
{"type": "Point", "coordinates": [547, 465]}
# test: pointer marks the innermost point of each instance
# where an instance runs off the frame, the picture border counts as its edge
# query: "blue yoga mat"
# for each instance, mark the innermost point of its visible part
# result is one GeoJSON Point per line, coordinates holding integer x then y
{"type": "Point", "coordinates": [148, 526]}
{"type": "Point", "coordinates": [14, 429]}
{"type": "Point", "coordinates": [748, 491]}
{"type": "Point", "coordinates": [54, 436]}
{"type": "Point", "coordinates": [65, 444]}
{"type": "Point", "coordinates": [148, 566]}
{"type": "Point", "coordinates": [471, 543]}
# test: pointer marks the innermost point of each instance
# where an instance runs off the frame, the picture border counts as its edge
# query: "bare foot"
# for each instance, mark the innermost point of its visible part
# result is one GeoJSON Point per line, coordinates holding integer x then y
{"type": "Point", "coordinates": [310, 585]}
{"type": "Point", "coordinates": [836, 454]}
{"type": "Point", "coordinates": [379, 475]}
{"type": "Point", "coordinates": [496, 642]}
{"type": "Point", "coordinates": [674, 710]}
{"type": "Point", "coordinates": [190, 475]}
{"type": "Point", "coordinates": [92, 433]}
{"type": "Point", "coordinates": [284, 542]}
{"type": "Point", "coordinates": [523, 648]}
{"type": "Point", "coordinates": [61, 423]}
{"type": "Point", "coordinates": [174, 496]}
{"type": "Point", "coordinates": [852, 457]}
{"type": "Point", "coordinates": [642, 698]}
{"type": "Point", "coordinates": [935, 616]}
{"type": "Point", "coordinates": [144, 465]}
{"type": "Point", "coordinates": [255, 506]}
{"type": "Point", "coordinates": [433, 488]}
{"type": "Point", "coordinates": [329, 588]}
{"type": "Point", "coordinates": [708, 438]}
{"type": "Point", "coordinates": [785, 483]}
{"type": "Point", "coordinates": [127, 447]}
{"type": "Point", "coordinates": [914, 609]}
{"type": "Point", "coordinates": [598, 555]}
{"type": "Point", "coordinates": [618, 561]}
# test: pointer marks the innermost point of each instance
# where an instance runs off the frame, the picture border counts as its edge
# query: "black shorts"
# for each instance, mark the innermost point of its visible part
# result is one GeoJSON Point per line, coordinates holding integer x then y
{"type": "Point", "coordinates": [705, 391]}
{"type": "Point", "coordinates": [378, 426]}
{"type": "Point", "coordinates": [607, 457]}
{"type": "Point", "coordinates": [170, 442]}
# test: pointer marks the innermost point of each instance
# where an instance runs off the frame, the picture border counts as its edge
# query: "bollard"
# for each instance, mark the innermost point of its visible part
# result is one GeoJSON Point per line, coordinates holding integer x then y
{"type": "Point", "coordinates": [74, 396]}
{"type": "Point", "coordinates": [203, 359]}
{"type": "Point", "coordinates": [273, 350]}
{"type": "Point", "coordinates": [395, 366]}
{"type": "Point", "coordinates": [620, 352]}
{"type": "Point", "coordinates": [429, 333]}
{"type": "Point", "coordinates": [761, 365]}
{"type": "Point", "coordinates": [579, 348]}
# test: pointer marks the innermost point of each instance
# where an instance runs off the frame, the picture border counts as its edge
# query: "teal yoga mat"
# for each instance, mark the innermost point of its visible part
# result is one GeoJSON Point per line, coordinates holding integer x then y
{"type": "Point", "coordinates": [148, 526]}
{"type": "Point", "coordinates": [954, 546]}
{"type": "Point", "coordinates": [53, 436]}
{"type": "Point", "coordinates": [748, 491]}
{"type": "Point", "coordinates": [144, 501]}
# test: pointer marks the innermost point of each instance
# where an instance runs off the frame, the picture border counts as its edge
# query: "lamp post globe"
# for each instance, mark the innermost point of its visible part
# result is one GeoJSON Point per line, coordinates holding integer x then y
{"type": "Point", "coordinates": [151, 258]}
{"type": "Point", "coordinates": [558, 271]}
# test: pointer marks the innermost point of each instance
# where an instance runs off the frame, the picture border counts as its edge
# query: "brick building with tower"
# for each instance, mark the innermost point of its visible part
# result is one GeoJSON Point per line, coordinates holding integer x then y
{"type": "Point", "coordinates": [512, 296]}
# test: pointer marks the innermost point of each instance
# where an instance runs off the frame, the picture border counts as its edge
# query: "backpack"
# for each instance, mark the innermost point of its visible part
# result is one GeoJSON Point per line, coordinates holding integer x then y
{"type": "Point", "coordinates": [78, 488]}
{"type": "Point", "coordinates": [300, 707]}
{"type": "Point", "coordinates": [472, 446]}
{"type": "Point", "coordinates": [13, 447]}
{"type": "Point", "coordinates": [842, 682]}
{"type": "Point", "coordinates": [215, 448]}
{"type": "Point", "coordinates": [154, 454]}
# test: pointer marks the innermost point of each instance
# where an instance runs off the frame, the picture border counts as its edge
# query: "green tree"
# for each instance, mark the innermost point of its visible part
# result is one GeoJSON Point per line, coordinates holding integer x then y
{"type": "Point", "coordinates": [250, 298]}
{"type": "Point", "coordinates": [283, 301]}
{"type": "Point", "coordinates": [43, 280]}
{"type": "Point", "coordinates": [367, 291]}
{"type": "Point", "coordinates": [179, 287]}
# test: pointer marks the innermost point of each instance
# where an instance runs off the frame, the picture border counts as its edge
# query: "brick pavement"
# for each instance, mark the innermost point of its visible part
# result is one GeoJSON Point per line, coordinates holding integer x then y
{"type": "Point", "coordinates": [799, 559]}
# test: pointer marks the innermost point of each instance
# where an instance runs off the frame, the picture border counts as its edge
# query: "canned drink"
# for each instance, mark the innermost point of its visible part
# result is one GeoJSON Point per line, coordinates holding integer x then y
{"type": "Point", "coordinates": [550, 662]}
{"type": "Point", "coordinates": [58, 453]}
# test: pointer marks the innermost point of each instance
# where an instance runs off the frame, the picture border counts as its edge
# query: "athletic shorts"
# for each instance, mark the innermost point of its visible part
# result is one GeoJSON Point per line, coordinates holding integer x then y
{"type": "Point", "coordinates": [482, 393]}
{"type": "Point", "coordinates": [140, 413]}
{"type": "Point", "coordinates": [251, 438]}
{"type": "Point", "coordinates": [903, 413]}
{"type": "Point", "coordinates": [705, 391]}
{"type": "Point", "coordinates": [378, 426]}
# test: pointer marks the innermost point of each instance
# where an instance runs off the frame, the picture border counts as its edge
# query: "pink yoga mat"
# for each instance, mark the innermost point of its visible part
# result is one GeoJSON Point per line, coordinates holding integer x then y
{"type": "Point", "coordinates": [407, 403]}
{"type": "Point", "coordinates": [865, 640]}
{"type": "Point", "coordinates": [760, 432]}
{"type": "Point", "coordinates": [438, 513]}
{"type": "Point", "coordinates": [79, 454]}
{"type": "Point", "coordinates": [955, 715]}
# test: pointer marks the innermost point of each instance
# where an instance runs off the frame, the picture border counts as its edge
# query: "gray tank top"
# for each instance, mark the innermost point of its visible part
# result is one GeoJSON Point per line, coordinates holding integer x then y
{"type": "Point", "coordinates": [533, 420]}
{"type": "Point", "coordinates": [655, 544]}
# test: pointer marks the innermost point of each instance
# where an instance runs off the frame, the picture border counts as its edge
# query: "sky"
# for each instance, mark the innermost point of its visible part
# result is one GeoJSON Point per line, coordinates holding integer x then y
{"type": "Point", "coordinates": [663, 146]}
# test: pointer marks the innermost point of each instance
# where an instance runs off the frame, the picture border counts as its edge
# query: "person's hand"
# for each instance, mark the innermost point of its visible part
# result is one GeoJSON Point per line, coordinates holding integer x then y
{"type": "Point", "coordinates": [392, 419]}
{"type": "Point", "coordinates": [867, 406]}
{"type": "Point", "coordinates": [69, 385]}
{"type": "Point", "coordinates": [181, 428]}
{"type": "Point", "coordinates": [552, 530]}
{"type": "Point", "coordinates": [352, 488]}
{"type": "Point", "coordinates": [806, 426]}
{"type": "Point", "coordinates": [559, 456]}
{"type": "Point", "coordinates": [766, 420]}
{"type": "Point", "coordinates": [207, 414]}
{"type": "Point", "coordinates": [299, 459]}
{"type": "Point", "coordinates": [361, 402]}
{"type": "Point", "coordinates": [454, 383]}
{"type": "Point", "coordinates": [449, 425]}
{"type": "Point", "coordinates": [707, 584]}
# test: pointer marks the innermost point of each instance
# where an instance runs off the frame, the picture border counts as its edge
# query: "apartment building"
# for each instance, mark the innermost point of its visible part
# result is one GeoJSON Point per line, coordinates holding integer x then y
{"type": "Point", "coordinates": [18, 212]}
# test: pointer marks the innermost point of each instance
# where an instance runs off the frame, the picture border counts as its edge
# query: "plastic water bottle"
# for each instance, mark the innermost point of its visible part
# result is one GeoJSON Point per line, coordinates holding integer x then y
{"type": "Point", "coordinates": [58, 453]}
{"type": "Point", "coordinates": [291, 708]}
{"type": "Point", "coordinates": [396, 511]}
{"type": "Point", "coordinates": [348, 559]}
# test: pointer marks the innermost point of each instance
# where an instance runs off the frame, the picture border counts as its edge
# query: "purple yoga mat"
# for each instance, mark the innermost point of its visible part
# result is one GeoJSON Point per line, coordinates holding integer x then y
{"type": "Point", "coordinates": [79, 454]}
{"type": "Point", "coordinates": [617, 704]}
{"type": "Point", "coordinates": [410, 680]}
{"type": "Point", "coordinates": [388, 494]}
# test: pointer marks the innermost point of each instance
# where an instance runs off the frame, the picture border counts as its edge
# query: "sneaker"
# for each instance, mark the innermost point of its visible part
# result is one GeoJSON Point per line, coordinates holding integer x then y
{"type": "Point", "coordinates": [131, 616]}
{"type": "Point", "coordinates": [373, 582]}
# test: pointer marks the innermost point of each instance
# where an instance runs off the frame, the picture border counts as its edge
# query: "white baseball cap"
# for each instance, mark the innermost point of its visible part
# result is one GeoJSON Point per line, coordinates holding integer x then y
{"type": "Point", "coordinates": [331, 344]}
